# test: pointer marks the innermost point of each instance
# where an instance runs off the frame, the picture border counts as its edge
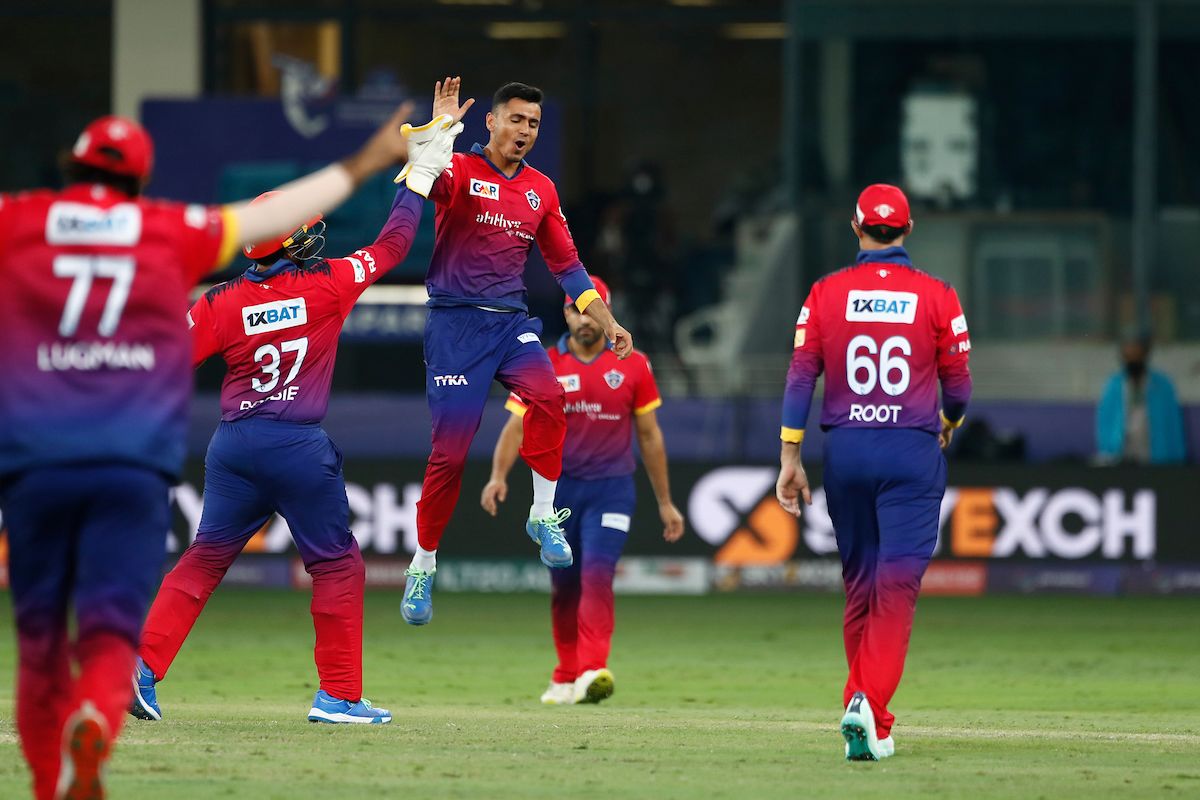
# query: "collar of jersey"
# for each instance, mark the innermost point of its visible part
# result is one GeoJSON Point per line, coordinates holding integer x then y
{"type": "Point", "coordinates": [566, 350]}
{"type": "Point", "coordinates": [477, 149]}
{"type": "Point", "coordinates": [280, 266]}
{"type": "Point", "coordinates": [888, 255]}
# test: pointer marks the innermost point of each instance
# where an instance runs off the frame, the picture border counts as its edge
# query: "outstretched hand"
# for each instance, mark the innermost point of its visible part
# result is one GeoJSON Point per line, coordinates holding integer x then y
{"type": "Point", "coordinates": [386, 147]}
{"type": "Point", "coordinates": [445, 99]}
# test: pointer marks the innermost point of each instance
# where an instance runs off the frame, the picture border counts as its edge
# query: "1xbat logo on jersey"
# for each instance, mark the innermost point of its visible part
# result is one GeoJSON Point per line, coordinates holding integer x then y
{"type": "Point", "coordinates": [274, 316]}
{"type": "Point", "coordinates": [881, 306]}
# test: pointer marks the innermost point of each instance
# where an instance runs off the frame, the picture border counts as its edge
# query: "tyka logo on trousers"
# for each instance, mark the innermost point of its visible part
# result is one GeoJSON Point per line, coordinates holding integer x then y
{"type": "Point", "coordinates": [450, 380]}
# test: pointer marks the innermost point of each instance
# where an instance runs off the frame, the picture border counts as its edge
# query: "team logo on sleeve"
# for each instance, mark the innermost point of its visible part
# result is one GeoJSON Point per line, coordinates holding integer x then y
{"type": "Point", "coordinates": [484, 189]}
{"type": "Point", "coordinates": [274, 316]}
{"type": "Point", "coordinates": [805, 313]}
{"type": "Point", "coordinates": [614, 378]}
{"type": "Point", "coordinates": [535, 202]}
{"type": "Point", "coordinates": [958, 325]}
{"type": "Point", "coordinates": [881, 306]}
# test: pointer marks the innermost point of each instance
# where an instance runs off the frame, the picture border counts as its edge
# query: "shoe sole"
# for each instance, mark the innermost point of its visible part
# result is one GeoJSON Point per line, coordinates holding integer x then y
{"type": "Point", "coordinates": [83, 760]}
{"type": "Point", "coordinates": [141, 709]}
{"type": "Point", "coordinates": [415, 620]}
{"type": "Point", "coordinates": [601, 688]}
{"type": "Point", "coordinates": [557, 564]}
{"type": "Point", "coordinates": [856, 742]}
{"type": "Point", "coordinates": [317, 715]}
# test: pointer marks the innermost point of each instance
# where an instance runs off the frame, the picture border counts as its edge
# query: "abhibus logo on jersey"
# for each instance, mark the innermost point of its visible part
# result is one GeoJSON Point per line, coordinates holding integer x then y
{"type": "Point", "coordinates": [274, 316]}
{"type": "Point", "coordinates": [734, 510]}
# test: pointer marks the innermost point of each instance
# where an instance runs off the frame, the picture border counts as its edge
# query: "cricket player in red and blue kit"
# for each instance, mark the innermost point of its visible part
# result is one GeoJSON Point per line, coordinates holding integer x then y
{"type": "Point", "coordinates": [492, 207]}
{"type": "Point", "coordinates": [606, 400]}
{"type": "Point", "coordinates": [95, 358]}
{"type": "Point", "coordinates": [277, 328]}
{"type": "Point", "coordinates": [884, 334]}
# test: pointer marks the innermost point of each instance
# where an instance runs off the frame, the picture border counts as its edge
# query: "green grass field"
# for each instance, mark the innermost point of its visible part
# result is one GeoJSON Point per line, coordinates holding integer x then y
{"type": "Point", "coordinates": [725, 696]}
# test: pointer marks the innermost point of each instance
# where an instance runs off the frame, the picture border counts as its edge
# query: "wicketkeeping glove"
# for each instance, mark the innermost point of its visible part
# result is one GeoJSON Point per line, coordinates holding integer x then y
{"type": "Point", "coordinates": [430, 148]}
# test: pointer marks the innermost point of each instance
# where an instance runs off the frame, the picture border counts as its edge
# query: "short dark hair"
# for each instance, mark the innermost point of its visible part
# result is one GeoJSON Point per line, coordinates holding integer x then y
{"type": "Point", "coordinates": [521, 91]}
{"type": "Point", "coordinates": [885, 234]}
{"type": "Point", "coordinates": [76, 172]}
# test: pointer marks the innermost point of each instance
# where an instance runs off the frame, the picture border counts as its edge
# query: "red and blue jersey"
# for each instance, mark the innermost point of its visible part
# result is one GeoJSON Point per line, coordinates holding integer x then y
{"type": "Point", "coordinates": [603, 397]}
{"type": "Point", "coordinates": [485, 226]}
{"type": "Point", "coordinates": [884, 334]}
{"type": "Point", "coordinates": [94, 353]}
{"type": "Point", "coordinates": [278, 330]}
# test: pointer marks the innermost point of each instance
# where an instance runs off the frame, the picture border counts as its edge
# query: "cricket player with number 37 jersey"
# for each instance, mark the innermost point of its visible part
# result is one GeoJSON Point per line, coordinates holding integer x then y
{"type": "Point", "coordinates": [277, 328]}
{"type": "Point", "coordinates": [884, 334]}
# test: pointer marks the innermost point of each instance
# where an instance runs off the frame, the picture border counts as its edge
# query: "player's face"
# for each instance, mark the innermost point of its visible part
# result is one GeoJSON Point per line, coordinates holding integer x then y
{"type": "Point", "coordinates": [514, 128]}
{"type": "Point", "coordinates": [583, 328]}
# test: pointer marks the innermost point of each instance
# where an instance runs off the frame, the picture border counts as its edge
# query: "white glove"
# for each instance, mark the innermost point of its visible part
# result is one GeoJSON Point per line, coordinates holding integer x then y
{"type": "Point", "coordinates": [430, 149]}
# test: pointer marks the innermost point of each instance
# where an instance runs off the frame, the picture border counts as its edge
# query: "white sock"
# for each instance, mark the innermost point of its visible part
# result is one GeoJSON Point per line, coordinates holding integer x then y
{"type": "Point", "coordinates": [424, 560]}
{"type": "Point", "coordinates": [543, 497]}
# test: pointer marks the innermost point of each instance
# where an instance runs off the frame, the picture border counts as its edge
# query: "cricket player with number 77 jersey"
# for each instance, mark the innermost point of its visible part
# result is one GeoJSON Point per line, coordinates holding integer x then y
{"type": "Point", "coordinates": [884, 334]}
{"type": "Point", "coordinates": [492, 207]}
{"type": "Point", "coordinates": [95, 356]}
{"type": "Point", "coordinates": [277, 328]}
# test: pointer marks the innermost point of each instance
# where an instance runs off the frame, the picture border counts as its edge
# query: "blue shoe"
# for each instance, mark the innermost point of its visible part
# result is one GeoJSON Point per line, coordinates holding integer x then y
{"type": "Point", "coordinates": [548, 532]}
{"type": "Point", "coordinates": [417, 605]}
{"type": "Point", "coordinates": [145, 700]}
{"type": "Point", "coordinates": [327, 708]}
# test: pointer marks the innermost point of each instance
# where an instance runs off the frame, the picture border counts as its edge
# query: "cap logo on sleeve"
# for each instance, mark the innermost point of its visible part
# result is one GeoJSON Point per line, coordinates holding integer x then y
{"type": "Point", "coordinates": [958, 325]}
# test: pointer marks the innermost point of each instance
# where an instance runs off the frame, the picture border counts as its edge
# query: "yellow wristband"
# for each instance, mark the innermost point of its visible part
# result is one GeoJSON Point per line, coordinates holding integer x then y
{"type": "Point", "coordinates": [584, 300]}
{"type": "Point", "coordinates": [792, 435]}
{"type": "Point", "coordinates": [945, 421]}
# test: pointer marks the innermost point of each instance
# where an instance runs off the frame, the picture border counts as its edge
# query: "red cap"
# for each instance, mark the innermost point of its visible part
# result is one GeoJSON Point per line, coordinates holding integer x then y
{"type": "Point", "coordinates": [115, 144]}
{"type": "Point", "coordinates": [882, 204]}
{"type": "Point", "coordinates": [263, 249]}
{"type": "Point", "coordinates": [601, 289]}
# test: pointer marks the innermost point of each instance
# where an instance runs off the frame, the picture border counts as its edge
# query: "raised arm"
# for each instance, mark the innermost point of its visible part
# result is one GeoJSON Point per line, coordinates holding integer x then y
{"type": "Point", "coordinates": [323, 190]}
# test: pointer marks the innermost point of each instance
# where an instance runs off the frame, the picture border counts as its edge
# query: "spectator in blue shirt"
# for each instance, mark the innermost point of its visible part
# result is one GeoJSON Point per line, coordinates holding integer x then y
{"type": "Point", "coordinates": [1138, 419]}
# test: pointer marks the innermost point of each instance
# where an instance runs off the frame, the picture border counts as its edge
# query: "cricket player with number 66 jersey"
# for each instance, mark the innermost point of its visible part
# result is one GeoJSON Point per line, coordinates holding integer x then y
{"type": "Point", "coordinates": [884, 334]}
